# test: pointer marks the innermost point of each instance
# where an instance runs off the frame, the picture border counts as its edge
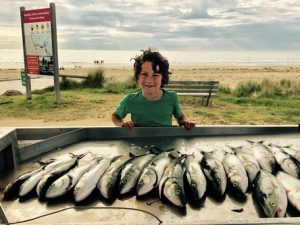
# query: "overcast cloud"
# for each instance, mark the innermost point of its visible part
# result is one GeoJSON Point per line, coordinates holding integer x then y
{"type": "Point", "coordinates": [165, 24]}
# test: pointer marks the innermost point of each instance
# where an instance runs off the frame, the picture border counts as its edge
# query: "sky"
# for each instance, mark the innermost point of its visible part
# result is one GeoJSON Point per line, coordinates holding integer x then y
{"type": "Point", "coordinates": [201, 25]}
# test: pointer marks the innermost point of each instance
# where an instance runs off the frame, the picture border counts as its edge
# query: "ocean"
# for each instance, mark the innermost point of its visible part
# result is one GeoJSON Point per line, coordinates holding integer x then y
{"type": "Point", "coordinates": [13, 58]}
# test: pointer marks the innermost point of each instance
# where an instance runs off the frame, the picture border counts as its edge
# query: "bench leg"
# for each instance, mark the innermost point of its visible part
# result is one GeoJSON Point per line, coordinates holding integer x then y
{"type": "Point", "coordinates": [207, 101]}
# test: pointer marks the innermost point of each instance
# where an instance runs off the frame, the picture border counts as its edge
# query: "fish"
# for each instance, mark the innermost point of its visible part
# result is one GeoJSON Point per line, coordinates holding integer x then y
{"type": "Point", "coordinates": [195, 177]}
{"type": "Point", "coordinates": [13, 188]}
{"type": "Point", "coordinates": [293, 152]}
{"type": "Point", "coordinates": [33, 180]}
{"type": "Point", "coordinates": [65, 183]}
{"type": "Point", "coordinates": [54, 174]}
{"type": "Point", "coordinates": [108, 182]}
{"type": "Point", "coordinates": [291, 186]}
{"type": "Point", "coordinates": [171, 185]}
{"type": "Point", "coordinates": [236, 173]}
{"type": "Point", "coordinates": [215, 173]}
{"type": "Point", "coordinates": [152, 174]}
{"type": "Point", "coordinates": [132, 171]}
{"type": "Point", "coordinates": [270, 194]}
{"type": "Point", "coordinates": [286, 163]}
{"type": "Point", "coordinates": [248, 161]}
{"type": "Point", "coordinates": [263, 156]}
{"type": "Point", "coordinates": [88, 181]}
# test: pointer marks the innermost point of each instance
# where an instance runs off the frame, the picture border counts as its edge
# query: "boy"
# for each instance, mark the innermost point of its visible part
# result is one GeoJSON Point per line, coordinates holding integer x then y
{"type": "Point", "coordinates": [152, 106]}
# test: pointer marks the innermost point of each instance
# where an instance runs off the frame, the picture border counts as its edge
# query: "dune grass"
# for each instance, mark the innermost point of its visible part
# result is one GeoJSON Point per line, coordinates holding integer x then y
{"type": "Point", "coordinates": [251, 103]}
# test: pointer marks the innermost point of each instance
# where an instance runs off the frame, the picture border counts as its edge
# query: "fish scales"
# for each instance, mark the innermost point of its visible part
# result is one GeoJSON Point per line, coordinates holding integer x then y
{"type": "Point", "coordinates": [171, 184]}
{"type": "Point", "coordinates": [54, 174]}
{"type": "Point", "coordinates": [264, 157]}
{"type": "Point", "coordinates": [270, 194]}
{"type": "Point", "coordinates": [88, 181]}
{"type": "Point", "coordinates": [286, 163]}
{"type": "Point", "coordinates": [236, 173]}
{"type": "Point", "coordinates": [152, 174]}
{"type": "Point", "coordinates": [132, 171]}
{"type": "Point", "coordinates": [195, 177]}
{"type": "Point", "coordinates": [33, 180]}
{"type": "Point", "coordinates": [248, 161]}
{"type": "Point", "coordinates": [65, 183]}
{"type": "Point", "coordinates": [292, 188]}
{"type": "Point", "coordinates": [215, 173]}
{"type": "Point", "coordinates": [108, 182]}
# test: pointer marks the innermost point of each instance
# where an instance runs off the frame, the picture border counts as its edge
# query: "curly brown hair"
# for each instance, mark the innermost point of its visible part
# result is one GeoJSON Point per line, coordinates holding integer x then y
{"type": "Point", "coordinates": [159, 64]}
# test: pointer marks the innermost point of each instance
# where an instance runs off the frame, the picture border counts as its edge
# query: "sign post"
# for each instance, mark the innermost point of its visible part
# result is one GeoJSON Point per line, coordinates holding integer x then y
{"type": "Point", "coordinates": [40, 45]}
{"type": "Point", "coordinates": [28, 81]}
{"type": "Point", "coordinates": [55, 53]}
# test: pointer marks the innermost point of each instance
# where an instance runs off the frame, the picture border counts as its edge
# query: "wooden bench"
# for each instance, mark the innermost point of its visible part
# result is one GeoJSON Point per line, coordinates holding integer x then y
{"type": "Point", "coordinates": [205, 89]}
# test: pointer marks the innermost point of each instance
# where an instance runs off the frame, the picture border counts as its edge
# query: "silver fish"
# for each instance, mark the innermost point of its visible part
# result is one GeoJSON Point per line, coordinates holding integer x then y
{"type": "Point", "coordinates": [263, 156]}
{"type": "Point", "coordinates": [293, 152]}
{"type": "Point", "coordinates": [248, 161]}
{"type": "Point", "coordinates": [195, 177]}
{"type": "Point", "coordinates": [171, 184]}
{"type": "Point", "coordinates": [88, 181]}
{"type": "Point", "coordinates": [236, 173]}
{"type": "Point", "coordinates": [65, 183]}
{"type": "Point", "coordinates": [33, 180]}
{"type": "Point", "coordinates": [132, 171]}
{"type": "Point", "coordinates": [54, 174]}
{"type": "Point", "coordinates": [215, 173]}
{"type": "Point", "coordinates": [13, 188]}
{"type": "Point", "coordinates": [286, 163]}
{"type": "Point", "coordinates": [292, 188]}
{"type": "Point", "coordinates": [107, 183]}
{"type": "Point", "coordinates": [270, 194]}
{"type": "Point", "coordinates": [152, 174]}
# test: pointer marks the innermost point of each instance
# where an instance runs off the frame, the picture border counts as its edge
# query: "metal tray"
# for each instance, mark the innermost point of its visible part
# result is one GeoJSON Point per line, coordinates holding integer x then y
{"type": "Point", "coordinates": [22, 147]}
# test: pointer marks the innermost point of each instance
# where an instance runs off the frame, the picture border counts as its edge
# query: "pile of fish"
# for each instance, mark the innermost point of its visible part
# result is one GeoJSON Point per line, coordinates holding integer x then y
{"type": "Point", "coordinates": [271, 172]}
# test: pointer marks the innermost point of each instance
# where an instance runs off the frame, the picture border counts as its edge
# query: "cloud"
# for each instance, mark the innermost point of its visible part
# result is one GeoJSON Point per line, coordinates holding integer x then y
{"type": "Point", "coordinates": [168, 24]}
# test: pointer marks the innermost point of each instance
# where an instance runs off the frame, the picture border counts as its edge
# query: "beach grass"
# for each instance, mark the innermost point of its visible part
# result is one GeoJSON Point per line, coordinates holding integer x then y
{"type": "Point", "coordinates": [257, 103]}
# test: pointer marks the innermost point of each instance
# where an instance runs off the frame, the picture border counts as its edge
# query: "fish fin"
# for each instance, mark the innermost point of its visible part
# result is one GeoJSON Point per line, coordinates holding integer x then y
{"type": "Point", "coordinates": [251, 142]}
{"type": "Point", "coordinates": [131, 154]}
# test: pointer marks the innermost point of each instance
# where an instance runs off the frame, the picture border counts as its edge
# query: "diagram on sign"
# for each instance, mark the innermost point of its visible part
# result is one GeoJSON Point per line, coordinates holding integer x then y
{"type": "Point", "coordinates": [38, 39]}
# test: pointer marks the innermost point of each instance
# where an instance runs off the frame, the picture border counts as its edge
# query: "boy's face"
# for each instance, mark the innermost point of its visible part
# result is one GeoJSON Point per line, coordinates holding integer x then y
{"type": "Point", "coordinates": [148, 80]}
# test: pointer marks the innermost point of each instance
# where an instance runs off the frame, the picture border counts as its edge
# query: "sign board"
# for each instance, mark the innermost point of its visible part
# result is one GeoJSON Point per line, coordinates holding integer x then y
{"type": "Point", "coordinates": [23, 77]}
{"type": "Point", "coordinates": [38, 41]}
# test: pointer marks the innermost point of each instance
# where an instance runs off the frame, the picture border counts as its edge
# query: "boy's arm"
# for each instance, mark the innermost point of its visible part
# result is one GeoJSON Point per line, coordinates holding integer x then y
{"type": "Point", "coordinates": [183, 121]}
{"type": "Point", "coordinates": [116, 119]}
{"type": "Point", "coordinates": [120, 122]}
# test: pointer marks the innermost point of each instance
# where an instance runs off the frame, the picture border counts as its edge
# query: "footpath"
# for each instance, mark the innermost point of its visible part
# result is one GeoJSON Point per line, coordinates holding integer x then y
{"type": "Point", "coordinates": [38, 82]}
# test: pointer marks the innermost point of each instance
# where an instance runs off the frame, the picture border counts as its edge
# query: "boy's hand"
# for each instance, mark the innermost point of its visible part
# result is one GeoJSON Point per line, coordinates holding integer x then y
{"type": "Point", "coordinates": [128, 124]}
{"type": "Point", "coordinates": [188, 125]}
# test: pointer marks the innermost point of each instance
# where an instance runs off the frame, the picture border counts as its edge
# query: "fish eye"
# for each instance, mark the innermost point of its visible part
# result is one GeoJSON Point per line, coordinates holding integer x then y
{"type": "Point", "coordinates": [235, 184]}
{"type": "Point", "coordinates": [194, 185]}
{"type": "Point", "coordinates": [109, 186]}
{"type": "Point", "coordinates": [272, 203]}
{"type": "Point", "coordinates": [123, 181]}
{"type": "Point", "coordinates": [178, 192]}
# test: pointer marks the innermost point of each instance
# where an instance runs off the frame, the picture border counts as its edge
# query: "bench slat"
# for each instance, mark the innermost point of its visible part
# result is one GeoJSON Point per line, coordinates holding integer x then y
{"type": "Point", "coordinates": [192, 91]}
{"type": "Point", "coordinates": [207, 87]}
{"type": "Point", "coordinates": [195, 94]}
{"type": "Point", "coordinates": [194, 82]}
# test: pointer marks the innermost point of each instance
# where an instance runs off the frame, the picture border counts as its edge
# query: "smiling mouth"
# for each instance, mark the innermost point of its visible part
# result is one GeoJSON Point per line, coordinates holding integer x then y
{"type": "Point", "coordinates": [148, 86]}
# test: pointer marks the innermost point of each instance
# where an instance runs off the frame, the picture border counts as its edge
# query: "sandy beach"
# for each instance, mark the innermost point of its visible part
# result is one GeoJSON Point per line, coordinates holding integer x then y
{"type": "Point", "coordinates": [229, 76]}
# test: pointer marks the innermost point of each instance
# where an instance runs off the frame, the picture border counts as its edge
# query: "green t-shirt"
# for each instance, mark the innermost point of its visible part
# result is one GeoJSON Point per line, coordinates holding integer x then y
{"type": "Point", "coordinates": [146, 113]}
